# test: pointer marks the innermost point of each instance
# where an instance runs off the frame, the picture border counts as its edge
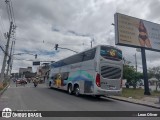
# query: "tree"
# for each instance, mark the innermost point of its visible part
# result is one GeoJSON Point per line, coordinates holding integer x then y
{"type": "Point", "coordinates": [155, 72]}
{"type": "Point", "coordinates": [150, 73]}
{"type": "Point", "coordinates": [131, 75]}
{"type": "Point", "coordinates": [128, 73]}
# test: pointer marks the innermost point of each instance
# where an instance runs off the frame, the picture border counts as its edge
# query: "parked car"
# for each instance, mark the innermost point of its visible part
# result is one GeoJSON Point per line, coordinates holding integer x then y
{"type": "Point", "coordinates": [128, 84]}
{"type": "Point", "coordinates": [18, 81]}
{"type": "Point", "coordinates": [24, 81]}
{"type": "Point", "coordinates": [21, 81]}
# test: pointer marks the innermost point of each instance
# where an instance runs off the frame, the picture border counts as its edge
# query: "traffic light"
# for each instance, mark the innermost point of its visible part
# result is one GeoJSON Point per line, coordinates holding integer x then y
{"type": "Point", "coordinates": [35, 56]}
{"type": "Point", "coordinates": [56, 46]}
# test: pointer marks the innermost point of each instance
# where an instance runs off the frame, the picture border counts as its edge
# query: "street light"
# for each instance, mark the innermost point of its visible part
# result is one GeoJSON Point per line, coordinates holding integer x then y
{"type": "Point", "coordinates": [135, 61]}
{"type": "Point", "coordinates": [92, 41]}
{"type": "Point", "coordinates": [56, 46]}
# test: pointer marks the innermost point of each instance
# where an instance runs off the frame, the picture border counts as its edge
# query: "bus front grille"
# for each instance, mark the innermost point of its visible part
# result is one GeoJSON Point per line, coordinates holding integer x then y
{"type": "Point", "coordinates": [110, 72]}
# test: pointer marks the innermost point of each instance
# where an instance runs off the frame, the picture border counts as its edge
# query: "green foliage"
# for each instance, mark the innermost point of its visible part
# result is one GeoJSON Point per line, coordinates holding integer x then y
{"type": "Point", "coordinates": [138, 75]}
{"type": "Point", "coordinates": [150, 75]}
{"type": "Point", "coordinates": [130, 74]}
{"type": "Point", "coordinates": [154, 72]}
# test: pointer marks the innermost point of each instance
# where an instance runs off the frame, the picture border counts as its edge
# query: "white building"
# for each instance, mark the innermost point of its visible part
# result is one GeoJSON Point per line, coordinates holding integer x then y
{"type": "Point", "coordinates": [22, 70]}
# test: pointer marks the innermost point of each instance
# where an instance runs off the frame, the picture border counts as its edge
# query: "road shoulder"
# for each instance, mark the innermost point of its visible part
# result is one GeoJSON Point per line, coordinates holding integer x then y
{"type": "Point", "coordinates": [2, 91]}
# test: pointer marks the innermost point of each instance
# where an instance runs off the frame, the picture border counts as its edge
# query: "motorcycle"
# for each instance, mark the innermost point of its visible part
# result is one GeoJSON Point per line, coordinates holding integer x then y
{"type": "Point", "coordinates": [35, 84]}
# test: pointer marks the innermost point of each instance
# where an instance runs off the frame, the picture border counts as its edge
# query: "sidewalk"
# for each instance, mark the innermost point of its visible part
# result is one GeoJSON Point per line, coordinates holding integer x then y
{"type": "Point", "coordinates": [1, 91]}
{"type": "Point", "coordinates": [146, 101]}
{"type": "Point", "coordinates": [151, 87]}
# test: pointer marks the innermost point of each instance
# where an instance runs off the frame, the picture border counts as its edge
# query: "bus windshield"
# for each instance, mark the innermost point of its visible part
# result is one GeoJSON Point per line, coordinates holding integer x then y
{"type": "Point", "coordinates": [111, 53]}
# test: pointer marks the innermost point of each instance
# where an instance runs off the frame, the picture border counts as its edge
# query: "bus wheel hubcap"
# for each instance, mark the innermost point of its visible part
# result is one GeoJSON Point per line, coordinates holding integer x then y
{"type": "Point", "coordinates": [77, 91]}
{"type": "Point", "coordinates": [69, 90]}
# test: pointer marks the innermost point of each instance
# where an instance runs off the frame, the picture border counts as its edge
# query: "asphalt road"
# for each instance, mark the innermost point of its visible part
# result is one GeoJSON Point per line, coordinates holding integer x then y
{"type": "Point", "coordinates": [45, 99]}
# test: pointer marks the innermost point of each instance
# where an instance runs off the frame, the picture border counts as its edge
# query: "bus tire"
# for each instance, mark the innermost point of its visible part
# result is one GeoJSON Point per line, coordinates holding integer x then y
{"type": "Point", "coordinates": [98, 96]}
{"type": "Point", "coordinates": [70, 89]}
{"type": "Point", "coordinates": [49, 84]}
{"type": "Point", "coordinates": [77, 90]}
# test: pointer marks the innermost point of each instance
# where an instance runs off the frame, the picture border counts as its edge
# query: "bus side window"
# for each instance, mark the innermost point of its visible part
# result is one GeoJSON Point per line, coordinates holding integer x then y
{"type": "Point", "coordinates": [89, 55]}
{"type": "Point", "coordinates": [65, 75]}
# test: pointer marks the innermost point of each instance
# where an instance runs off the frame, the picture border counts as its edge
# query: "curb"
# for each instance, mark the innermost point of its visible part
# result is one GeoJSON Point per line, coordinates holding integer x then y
{"type": "Point", "coordinates": [2, 91]}
{"type": "Point", "coordinates": [158, 107]}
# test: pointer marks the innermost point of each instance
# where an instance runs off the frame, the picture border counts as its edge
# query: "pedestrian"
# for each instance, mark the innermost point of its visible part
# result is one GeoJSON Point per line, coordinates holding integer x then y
{"type": "Point", "coordinates": [127, 85]}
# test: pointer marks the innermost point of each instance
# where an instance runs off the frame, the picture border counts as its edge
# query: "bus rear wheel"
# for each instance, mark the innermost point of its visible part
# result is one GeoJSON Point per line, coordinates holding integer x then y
{"type": "Point", "coordinates": [70, 89]}
{"type": "Point", "coordinates": [77, 90]}
{"type": "Point", "coordinates": [98, 96]}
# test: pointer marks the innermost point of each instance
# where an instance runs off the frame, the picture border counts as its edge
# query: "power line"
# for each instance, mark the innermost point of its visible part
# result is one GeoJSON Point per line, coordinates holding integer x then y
{"type": "Point", "coordinates": [11, 30]}
{"type": "Point", "coordinates": [12, 12]}
{"type": "Point", "coordinates": [8, 10]}
{"type": "Point", "coordinates": [2, 24]}
{"type": "Point", "coordinates": [2, 48]}
{"type": "Point", "coordinates": [3, 39]}
{"type": "Point", "coordinates": [2, 42]}
{"type": "Point", "coordinates": [2, 28]}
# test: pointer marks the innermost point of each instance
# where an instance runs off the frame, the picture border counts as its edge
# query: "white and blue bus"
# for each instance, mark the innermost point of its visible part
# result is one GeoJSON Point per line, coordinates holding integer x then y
{"type": "Point", "coordinates": [97, 71]}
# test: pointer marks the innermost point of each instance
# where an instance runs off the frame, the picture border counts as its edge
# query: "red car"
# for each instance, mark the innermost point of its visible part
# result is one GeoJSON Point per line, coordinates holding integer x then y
{"type": "Point", "coordinates": [21, 81]}
{"type": "Point", "coordinates": [18, 81]}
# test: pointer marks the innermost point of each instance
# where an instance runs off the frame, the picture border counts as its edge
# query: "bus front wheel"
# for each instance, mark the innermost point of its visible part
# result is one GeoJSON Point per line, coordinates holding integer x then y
{"type": "Point", "coordinates": [98, 96]}
{"type": "Point", "coordinates": [70, 89]}
{"type": "Point", "coordinates": [50, 85]}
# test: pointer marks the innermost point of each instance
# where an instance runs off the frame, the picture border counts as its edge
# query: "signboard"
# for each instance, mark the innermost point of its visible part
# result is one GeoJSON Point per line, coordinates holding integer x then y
{"type": "Point", "coordinates": [36, 63]}
{"type": "Point", "coordinates": [111, 53]}
{"type": "Point", "coordinates": [135, 32]}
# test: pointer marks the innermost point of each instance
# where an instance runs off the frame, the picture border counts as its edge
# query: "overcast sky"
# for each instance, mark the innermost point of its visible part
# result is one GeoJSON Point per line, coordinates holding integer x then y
{"type": "Point", "coordinates": [72, 24]}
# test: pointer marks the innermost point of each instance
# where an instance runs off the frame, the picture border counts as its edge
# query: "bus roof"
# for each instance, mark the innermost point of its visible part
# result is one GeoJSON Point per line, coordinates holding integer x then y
{"type": "Point", "coordinates": [85, 51]}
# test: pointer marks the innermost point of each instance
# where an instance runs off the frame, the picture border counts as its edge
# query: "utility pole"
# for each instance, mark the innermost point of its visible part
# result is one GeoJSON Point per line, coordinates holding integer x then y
{"type": "Point", "coordinates": [136, 62]}
{"type": "Point", "coordinates": [12, 59]}
{"type": "Point", "coordinates": [91, 42]}
{"type": "Point", "coordinates": [145, 75]}
{"type": "Point", "coordinates": [9, 59]}
{"type": "Point", "coordinates": [6, 53]}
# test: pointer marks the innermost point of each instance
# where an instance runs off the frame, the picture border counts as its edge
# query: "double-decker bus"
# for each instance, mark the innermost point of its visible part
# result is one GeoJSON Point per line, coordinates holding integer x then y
{"type": "Point", "coordinates": [97, 71]}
